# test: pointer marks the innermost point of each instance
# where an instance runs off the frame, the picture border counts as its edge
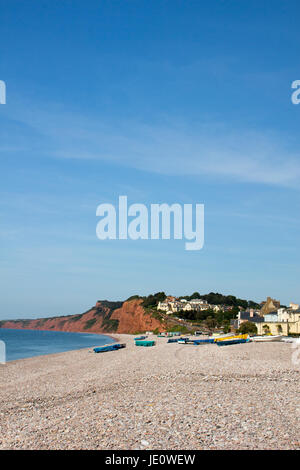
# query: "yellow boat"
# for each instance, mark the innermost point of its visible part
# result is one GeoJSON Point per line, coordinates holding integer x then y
{"type": "Point", "coordinates": [226, 338]}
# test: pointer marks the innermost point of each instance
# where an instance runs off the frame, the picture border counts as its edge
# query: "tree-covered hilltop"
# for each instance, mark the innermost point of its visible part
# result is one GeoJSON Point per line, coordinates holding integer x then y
{"type": "Point", "coordinates": [151, 301]}
{"type": "Point", "coordinates": [220, 299]}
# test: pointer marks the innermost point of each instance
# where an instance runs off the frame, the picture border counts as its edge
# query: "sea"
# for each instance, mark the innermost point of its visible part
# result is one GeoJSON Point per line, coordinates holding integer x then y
{"type": "Point", "coordinates": [20, 344]}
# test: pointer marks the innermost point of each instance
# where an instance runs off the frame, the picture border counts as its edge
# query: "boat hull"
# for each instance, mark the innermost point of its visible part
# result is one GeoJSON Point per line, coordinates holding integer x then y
{"type": "Point", "coordinates": [145, 343]}
{"type": "Point", "coordinates": [230, 342]}
{"type": "Point", "coordinates": [203, 341]}
{"type": "Point", "coordinates": [266, 339]}
{"type": "Point", "coordinates": [109, 347]}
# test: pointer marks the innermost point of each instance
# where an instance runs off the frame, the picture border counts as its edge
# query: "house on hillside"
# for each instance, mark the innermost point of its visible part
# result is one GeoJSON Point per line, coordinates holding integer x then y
{"type": "Point", "coordinates": [244, 316]}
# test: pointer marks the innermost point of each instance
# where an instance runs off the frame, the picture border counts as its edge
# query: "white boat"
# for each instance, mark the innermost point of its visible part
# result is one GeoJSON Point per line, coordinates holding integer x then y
{"type": "Point", "coordinates": [184, 340]}
{"type": "Point", "coordinates": [266, 338]}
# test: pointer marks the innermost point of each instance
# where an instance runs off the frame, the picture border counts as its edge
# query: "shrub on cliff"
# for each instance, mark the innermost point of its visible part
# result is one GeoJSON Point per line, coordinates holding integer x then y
{"type": "Point", "coordinates": [89, 323]}
{"type": "Point", "coordinates": [110, 325]}
{"type": "Point", "coordinates": [155, 315]}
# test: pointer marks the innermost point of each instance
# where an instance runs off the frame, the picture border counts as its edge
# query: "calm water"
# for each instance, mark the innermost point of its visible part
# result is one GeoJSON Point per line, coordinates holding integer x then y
{"type": "Point", "coordinates": [29, 343]}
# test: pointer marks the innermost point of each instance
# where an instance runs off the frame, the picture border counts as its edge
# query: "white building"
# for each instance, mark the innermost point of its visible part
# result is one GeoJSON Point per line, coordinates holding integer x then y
{"type": "Point", "coordinates": [164, 306]}
{"type": "Point", "coordinates": [287, 315]}
{"type": "Point", "coordinates": [182, 304]}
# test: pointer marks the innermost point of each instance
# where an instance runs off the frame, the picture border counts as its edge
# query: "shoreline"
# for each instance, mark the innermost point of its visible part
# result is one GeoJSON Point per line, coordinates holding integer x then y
{"type": "Point", "coordinates": [169, 396]}
{"type": "Point", "coordinates": [57, 331]}
{"type": "Point", "coordinates": [59, 352]}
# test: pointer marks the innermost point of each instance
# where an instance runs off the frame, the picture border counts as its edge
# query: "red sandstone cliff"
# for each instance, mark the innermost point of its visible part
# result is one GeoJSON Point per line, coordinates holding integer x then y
{"type": "Point", "coordinates": [104, 317]}
{"type": "Point", "coordinates": [132, 318]}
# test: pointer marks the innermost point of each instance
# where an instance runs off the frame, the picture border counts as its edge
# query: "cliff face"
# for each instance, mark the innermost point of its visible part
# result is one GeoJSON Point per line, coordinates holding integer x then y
{"type": "Point", "coordinates": [104, 317]}
{"type": "Point", "coordinates": [132, 317]}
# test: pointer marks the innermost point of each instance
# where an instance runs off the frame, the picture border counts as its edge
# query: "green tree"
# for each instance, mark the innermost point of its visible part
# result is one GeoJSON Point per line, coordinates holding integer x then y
{"type": "Point", "coordinates": [152, 300]}
{"type": "Point", "coordinates": [226, 328]}
{"type": "Point", "coordinates": [211, 322]}
{"type": "Point", "coordinates": [247, 327]}
{"type": "Point", "coordinates": [195, 295]}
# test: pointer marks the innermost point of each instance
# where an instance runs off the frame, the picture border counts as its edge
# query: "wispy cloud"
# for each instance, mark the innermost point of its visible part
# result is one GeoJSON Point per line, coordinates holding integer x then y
{"type": "Point", "coordinates": [170, 146]}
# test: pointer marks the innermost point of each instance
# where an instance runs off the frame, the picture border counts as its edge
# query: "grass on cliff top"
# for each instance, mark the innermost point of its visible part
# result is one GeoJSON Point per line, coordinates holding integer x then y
{"type": "Point", "coordinates": [181, 328]}
{"type": "Point", "coordinates": [133, 297]}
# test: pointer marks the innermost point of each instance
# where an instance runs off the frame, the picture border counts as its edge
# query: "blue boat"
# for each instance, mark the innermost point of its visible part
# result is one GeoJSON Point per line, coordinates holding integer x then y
{"type": "Point", "coordinates": [140, 338]}
{"type": "Point", "coordinates": [231, 341]}
{"type": "Point", "coordinates": [184, 340]}
{"type": "Point", "coordinates": [145, 343]}
{"type": "Point", "coordinates": [173, 340]}
{"type": "Point", "coordinates": [203, 341]}
{"type": "Point", "coordinates": [109, 347]}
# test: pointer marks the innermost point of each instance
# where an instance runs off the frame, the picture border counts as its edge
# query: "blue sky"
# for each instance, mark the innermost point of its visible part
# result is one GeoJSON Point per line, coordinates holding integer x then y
{"type": "Point", "coordinates": [162, 101]}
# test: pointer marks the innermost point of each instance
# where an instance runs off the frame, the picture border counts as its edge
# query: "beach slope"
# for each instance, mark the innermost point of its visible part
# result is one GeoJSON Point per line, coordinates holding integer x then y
{"type": "Point", "coordinates": [170, 396]}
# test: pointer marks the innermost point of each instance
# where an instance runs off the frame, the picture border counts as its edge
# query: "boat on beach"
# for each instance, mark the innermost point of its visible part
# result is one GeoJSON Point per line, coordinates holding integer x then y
{"type": "Point", "coordinates": [229, 342]}
{"type": "Point", "coordinates": [109, 347]}
{"type": "Point", "coordinates": [221, 335]}
{"type": "Point", "coordinates": [184, 341]}
{"type": "Point", "coordinates": [195, 341]}
{"type": "Point", "coordinates": [266, 338]}
{"type": "Point", "coordinates": [231, 336]}
{"type": "Point", "coordinates": [145, 343]}
{"type": "Point", "coordinates": [204, 341]}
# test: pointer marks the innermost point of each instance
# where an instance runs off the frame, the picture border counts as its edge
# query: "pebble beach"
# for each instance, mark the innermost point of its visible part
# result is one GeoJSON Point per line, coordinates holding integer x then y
{"type": "Point", "coordinates": [170, 396]}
